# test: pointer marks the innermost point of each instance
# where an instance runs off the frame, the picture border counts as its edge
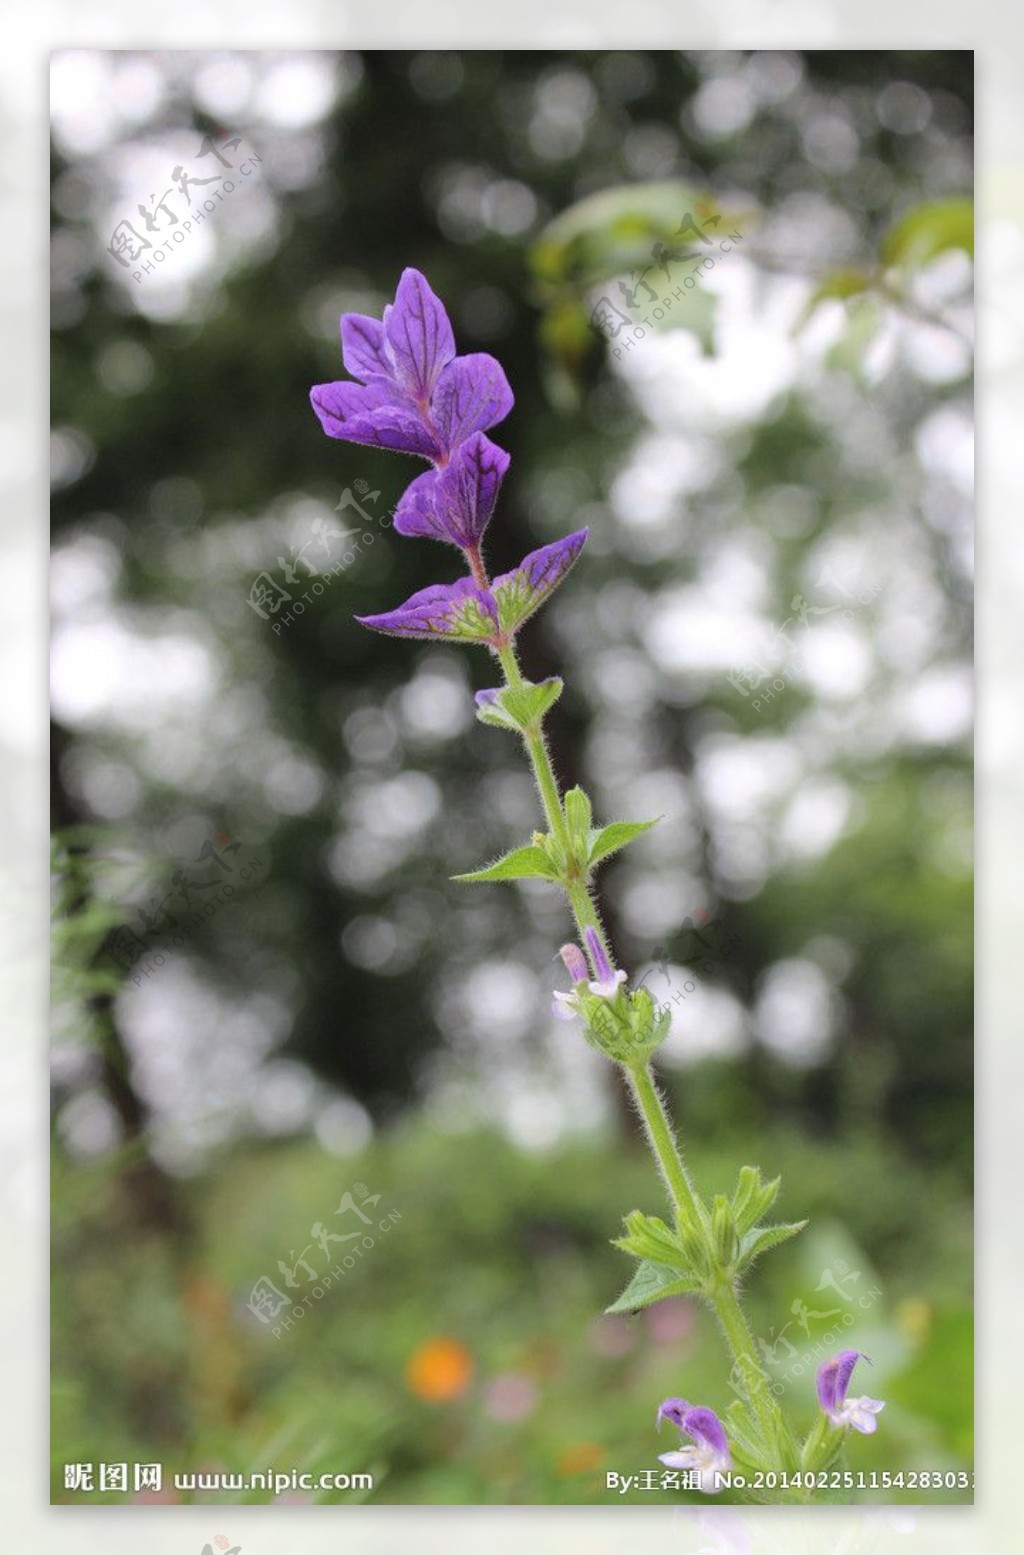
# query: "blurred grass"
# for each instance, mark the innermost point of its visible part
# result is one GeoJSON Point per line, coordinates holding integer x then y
{"type": "Point", "coordinates": [507, 1255]}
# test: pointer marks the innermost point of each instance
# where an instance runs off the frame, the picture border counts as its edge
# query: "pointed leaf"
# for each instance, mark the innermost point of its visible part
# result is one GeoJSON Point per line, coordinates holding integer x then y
{"type": "Point", "coordinates": [519, 593]}
{"type": "Point", "coordinates": [610, 838]}
{"type": "Point", "coordinates": [765, 1237]}
{"type": "Point", "coordinates": [520, 864]}
{"type": "Point", "coordinates": [753, 1198]}
{"type": "Point", "coordinates": [652, 1282]}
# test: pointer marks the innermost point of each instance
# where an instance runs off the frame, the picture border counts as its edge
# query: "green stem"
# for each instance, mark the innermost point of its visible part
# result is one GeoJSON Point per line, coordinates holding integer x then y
{"type": "Point", "coordinates": [685, 1199]}
{"type": "Point", "coordinates": [543, 771]}
{"type": "Point", "coordinates": [663, 1143]}
{"type": "Point", "coordinates": [740, 1340]}
{"type": "Point", "coordinates": [581, 899]}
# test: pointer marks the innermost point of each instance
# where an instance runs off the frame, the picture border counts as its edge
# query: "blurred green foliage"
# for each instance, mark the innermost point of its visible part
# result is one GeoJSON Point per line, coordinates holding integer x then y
{"type": "Point", "coordinates": [509, 1256]}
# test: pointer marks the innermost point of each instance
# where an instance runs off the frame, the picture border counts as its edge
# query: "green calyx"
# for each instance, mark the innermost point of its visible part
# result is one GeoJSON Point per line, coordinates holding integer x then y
{"type": "Point", "coordinates": [627, 1028]}
{"type": "Point", "coordinates": [520, 708]}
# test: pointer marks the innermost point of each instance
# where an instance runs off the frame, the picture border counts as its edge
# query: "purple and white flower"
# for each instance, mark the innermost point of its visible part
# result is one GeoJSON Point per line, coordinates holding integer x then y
{"type": "Point", "coordinates": [833, 1381]}
{"type": "Point", "coordinates": [707, 1453]}
{"type": "Point", "coordinates": [605, 986]}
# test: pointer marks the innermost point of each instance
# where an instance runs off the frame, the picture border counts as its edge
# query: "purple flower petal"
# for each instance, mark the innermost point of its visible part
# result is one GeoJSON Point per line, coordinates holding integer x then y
{"type": "Point", "coordinates": [455, 503]}
{"type": "Point", "coordinates": [362, 347]}
{"type": "Point", "coordinates": [472, 394]}
{"type": "Point", "coordinates": [520, 592]}
{"type": "Point", "coordinates": [602, 966]}
{"type": "Point", "coordinates": [419, 337]}
{"type": "Point", "coordinates": [416, 512]}
{"type": "Point", "coordinates": [372, 414]}
{"type": "Point", "coordinates": [706, 1429]}
{"type": "Point", "coordinates": [467, 489]}
{"type": "Point", "coordinates": [459, 610]}
{"type": "Point", "coordinates": [576, 966]}
{"type": "Point", "coordinates": [673, 1409]}
{"type": "Point", "coordinates": [834, 1379]}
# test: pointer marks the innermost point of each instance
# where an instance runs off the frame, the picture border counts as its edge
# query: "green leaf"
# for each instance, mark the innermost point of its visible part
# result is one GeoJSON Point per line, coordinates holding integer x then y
{"type": "Point", "coordinates": [838, 285]}
{"type": "Point", "coordinates": [521, 864]}
{"type": "Point", "coordinates": [652, 1282]}
{"type": "Point", "coordinates": [765, 1237]}
{"type": "Point", "coordinates": [928, 230]}
{"type": "Point", "coordinates": [610, 838]}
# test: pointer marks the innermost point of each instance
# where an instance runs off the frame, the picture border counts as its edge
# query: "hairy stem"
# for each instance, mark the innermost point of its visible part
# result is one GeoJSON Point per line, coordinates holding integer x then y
{"type": "Point", "coordinates": [664, 1146]}
{"type": "Point", "coordinates": [730, 1314]}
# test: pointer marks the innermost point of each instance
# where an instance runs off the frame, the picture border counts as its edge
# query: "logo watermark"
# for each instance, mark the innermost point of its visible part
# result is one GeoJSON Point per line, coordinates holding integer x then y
{"type": "Point", "coordinates": [786, 660]}
{"type": "Point", "coordinates": [161, 932]}
{"type": "Point", "coordinates": [791, 1361]}
{"type": "Point", "coordinates": [702, 955]}
{"type": "Point", "coordinates": [127, 245]}
{"type": "Point", "coordinates": [103, 1477]}
{"type": "Point", "coordinates": [267, 1303]}
{"type": "Point", "coordinates": [267, 597]}
{"type": "Point", "coordinates": [609, 320]}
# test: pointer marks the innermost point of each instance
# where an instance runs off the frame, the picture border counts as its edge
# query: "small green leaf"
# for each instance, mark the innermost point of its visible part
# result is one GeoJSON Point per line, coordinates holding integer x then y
{"type": "Point", "coordinates": [765, 1237]}
{"type": "Point", "coordinates": [520, 864]}
{"type": "Point", "coordinates": [928, 230]}
{"type": "Point", "coordinates": [652, 1282]}
{"type": "Point", "coordinates": [610, 838]}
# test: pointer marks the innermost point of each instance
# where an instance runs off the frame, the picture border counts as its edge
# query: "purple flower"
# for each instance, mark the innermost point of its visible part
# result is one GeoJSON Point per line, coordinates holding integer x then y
{"type": "Point", "coordinates": [470, 612]}
{"type": "Point", "coordinates": [833, 1380]}
{"type": "Point", "coordinates": [707, 1454]}
{"type": "Point", "coordinates": [607, 982]}
{"type": "Point", "coordinates": [455, 503]}
{"type": "Point", "coordinates": [417, 397]}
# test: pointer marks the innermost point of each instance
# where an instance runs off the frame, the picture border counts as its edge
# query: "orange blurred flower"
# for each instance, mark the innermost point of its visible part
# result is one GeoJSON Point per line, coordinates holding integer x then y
{"type": "Point", "coordinates": [580, 1457]}
{"type": "Point", "coordinates": [439, 1370]}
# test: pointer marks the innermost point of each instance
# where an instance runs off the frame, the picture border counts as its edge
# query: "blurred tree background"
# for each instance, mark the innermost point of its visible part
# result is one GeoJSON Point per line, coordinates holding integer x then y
{"type": "Point", "coordinates": [765, 643]}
